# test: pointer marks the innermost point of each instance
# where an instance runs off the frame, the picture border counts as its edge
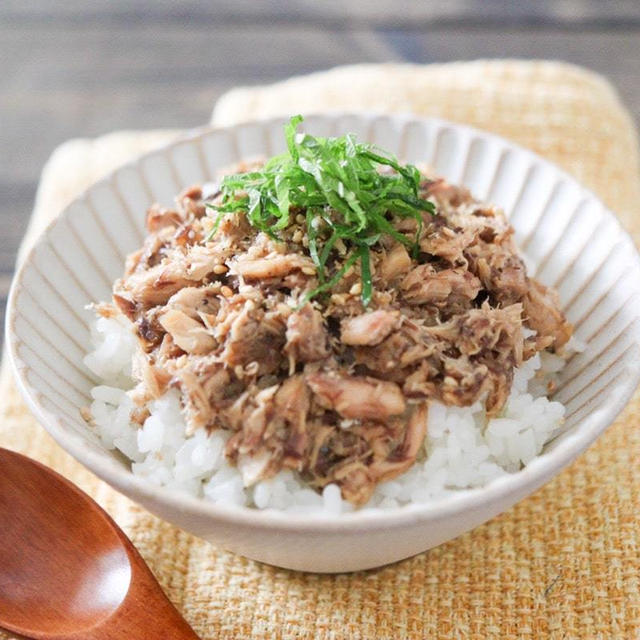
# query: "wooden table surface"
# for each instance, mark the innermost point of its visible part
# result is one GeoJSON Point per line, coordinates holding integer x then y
{"type": "Point", "coordinates": [78, 68]}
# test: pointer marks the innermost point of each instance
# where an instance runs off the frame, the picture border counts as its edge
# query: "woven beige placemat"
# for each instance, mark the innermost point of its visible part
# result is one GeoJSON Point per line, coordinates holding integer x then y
{"type": "Point", "coordinates": [564, 563]}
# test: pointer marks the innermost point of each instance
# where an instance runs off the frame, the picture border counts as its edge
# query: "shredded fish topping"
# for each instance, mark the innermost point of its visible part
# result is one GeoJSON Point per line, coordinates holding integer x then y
{"type": "Point", "coordinates": [424, 298]}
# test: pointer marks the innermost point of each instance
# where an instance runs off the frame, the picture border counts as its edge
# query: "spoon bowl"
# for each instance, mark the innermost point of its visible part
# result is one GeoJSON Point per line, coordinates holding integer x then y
{"type": "Point", "coordinates": [66, 569]}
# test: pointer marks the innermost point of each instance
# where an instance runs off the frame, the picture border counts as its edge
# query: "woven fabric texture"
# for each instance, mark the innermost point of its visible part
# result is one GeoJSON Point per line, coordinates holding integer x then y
{"type": "Point", "coordinates": [564, 563]}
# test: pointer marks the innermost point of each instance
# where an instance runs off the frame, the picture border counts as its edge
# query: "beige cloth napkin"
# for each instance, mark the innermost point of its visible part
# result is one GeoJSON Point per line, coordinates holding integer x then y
{"type": "Point", "coordinates": [564, 563]}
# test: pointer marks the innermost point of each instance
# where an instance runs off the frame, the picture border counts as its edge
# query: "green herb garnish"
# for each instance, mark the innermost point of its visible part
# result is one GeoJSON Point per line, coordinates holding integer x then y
{"type": "Point", "coordinates": [336, 182]}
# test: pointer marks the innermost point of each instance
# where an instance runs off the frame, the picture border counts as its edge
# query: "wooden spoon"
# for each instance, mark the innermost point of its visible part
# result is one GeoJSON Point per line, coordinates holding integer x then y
{"type": "Point", "coordinates": [66, 570]}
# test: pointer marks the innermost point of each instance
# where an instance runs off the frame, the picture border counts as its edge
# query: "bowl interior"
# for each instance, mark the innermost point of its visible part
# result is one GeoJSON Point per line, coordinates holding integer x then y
{"type": "Point", "coordinates": [571, 242]}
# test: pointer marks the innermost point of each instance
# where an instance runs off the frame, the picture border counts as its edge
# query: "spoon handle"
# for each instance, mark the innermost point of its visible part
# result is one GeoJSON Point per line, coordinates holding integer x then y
{"type": "Point", "coordinates": [146, 613]}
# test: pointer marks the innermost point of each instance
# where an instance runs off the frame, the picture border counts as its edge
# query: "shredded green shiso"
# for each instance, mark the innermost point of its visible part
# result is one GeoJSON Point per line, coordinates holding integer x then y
{"type": "Point", "coordinates": [337, 184]}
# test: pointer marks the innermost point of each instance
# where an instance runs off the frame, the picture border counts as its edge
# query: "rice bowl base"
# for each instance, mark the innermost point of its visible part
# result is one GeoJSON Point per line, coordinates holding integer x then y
{"type": "Point", "coordinates": [571, 239]}
{"type": "Point", "coordinates": [462, 448]}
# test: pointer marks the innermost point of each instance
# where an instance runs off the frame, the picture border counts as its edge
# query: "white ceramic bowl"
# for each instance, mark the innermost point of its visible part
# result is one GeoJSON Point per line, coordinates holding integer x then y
{"type": "Point", "coordinates": [573, 242]}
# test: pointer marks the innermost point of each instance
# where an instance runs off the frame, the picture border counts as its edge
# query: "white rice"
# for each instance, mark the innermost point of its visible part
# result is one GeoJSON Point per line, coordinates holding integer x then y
{"type": "Point", "coordinates": [461, 449]}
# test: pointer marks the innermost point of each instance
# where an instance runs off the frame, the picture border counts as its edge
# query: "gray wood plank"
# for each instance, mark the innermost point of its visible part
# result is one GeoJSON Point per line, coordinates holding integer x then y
{"type": "Point", "coordinates": [144, 78]}
{"type": "Point", "coordinates": [337, 14]}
